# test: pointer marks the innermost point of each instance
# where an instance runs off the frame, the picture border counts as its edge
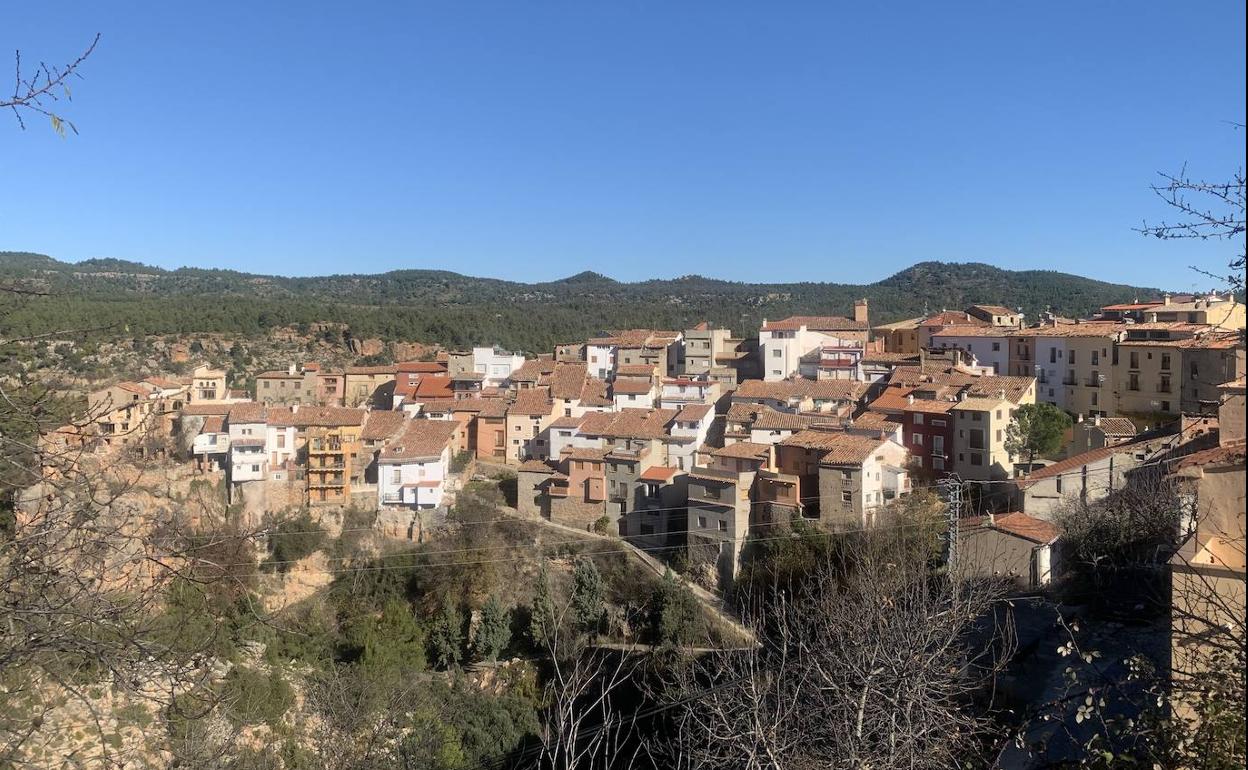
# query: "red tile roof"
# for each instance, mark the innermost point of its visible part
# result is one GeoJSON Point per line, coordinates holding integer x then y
{"type": "Point", "coordinates": [744, 450]}
{"type": "Point", "coordinates": [317, 417]}
{"type": "Point", "coordinates": [827, 323]}
{"type": "Point", "coordinates": [693, 412]}
{"type": "Point", "coordinates": [1016, 524]}
{"type": "Point", "coordinates": [632, 387]}
{"type": "Point", "coordinates": [659, 474]}
{"type": "Point", "coordinates": [422, 439]}
{"type": "Point", "coordinates": [381, 425]}
{"type": "Point", "coordinates": [533, 401]}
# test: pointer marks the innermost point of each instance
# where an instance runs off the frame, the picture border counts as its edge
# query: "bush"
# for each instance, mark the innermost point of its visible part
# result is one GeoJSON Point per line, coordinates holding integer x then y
{"type": "Point", "coordinates": [603, 525]}
{"type": "Point", "coordinates": [675, 618]}
{"type": "Point", "coordinates": [494, 633]}
{"type": "Point", "coordinates": [460, 461]}
{"type": "Point", "coordinates": [252, 697]}
{"type": "Point", "coordinates": [293, 539]}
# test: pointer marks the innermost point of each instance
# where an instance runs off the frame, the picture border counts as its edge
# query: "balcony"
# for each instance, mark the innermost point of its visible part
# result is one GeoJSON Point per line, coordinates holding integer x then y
{"type": "Point", "coordinates": [325, 446]}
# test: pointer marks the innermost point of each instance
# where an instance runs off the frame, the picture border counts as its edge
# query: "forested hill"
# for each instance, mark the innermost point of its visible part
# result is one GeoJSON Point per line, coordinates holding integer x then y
{"type": "Point", "coordinates": [454, 309]}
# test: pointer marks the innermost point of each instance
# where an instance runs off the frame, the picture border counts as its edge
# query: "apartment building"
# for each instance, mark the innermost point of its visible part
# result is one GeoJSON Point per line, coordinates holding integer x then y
{"type": "Point", "coordinates": [990, 345]}
{"type": "Point", "coordinates": [495, 365]}
{"type": "Point", "coordinates": [899, 337]}
{"type": "Point", "coordinates": [702, 345]}
{"type": "Point", "coordinates": [981, 424]}
{"type": "Point", "coordinates": [368, 385]}
{"type": "Point", "coordinates": [656, 520]}
{"type": "Point", "coordinates": [1072, 363]}
{"type": "Point", "coordinates": [207, 384]}
{"type": "Point", "coordinates": [1214, 310]}
{"type": "Point", "coordinates": [293, 385]}
{"type": "Point", "coordinates": [928, 432]}
{"type": "Point", "coordinates": [527, 421]}
{"type": "Point", "coordinates": [783, 344]}
{"type": "Point", "coordinates": [934, 323]}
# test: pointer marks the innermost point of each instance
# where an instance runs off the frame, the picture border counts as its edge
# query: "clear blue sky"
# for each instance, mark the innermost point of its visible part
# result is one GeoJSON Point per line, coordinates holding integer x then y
{"type": "Point", "coordinates": [533, 140]}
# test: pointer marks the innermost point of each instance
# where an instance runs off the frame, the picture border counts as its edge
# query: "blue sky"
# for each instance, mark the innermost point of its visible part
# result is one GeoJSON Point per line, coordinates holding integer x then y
{"type": "Point", "coordinates": [533, 140]}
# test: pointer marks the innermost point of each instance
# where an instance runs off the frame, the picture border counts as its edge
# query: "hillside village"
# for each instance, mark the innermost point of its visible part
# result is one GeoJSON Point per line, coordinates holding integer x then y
{"type": "Point", "coordinates": [690, 442]}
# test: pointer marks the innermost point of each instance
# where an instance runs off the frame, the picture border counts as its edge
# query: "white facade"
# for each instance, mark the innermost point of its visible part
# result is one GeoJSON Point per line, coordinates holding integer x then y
{"type": "Point", "coordinates": [678, 392]}
{"type": "Point", "coordinates": [633, 401]}
{"type": "Point", "coordinates": [248, 461]}
{"type": "Point", "coordinates": [884, 476]}
{"type": "Point", "coordinates": [496, 365]}
{"type": "Point", "coordinates": [600, 360]}
{"type": "Point", "coordinates": [990, 352]}
{"type": "Point", "coordinates": [781, 350]}
{"type": "Point", "coordinates": [689, 435]}
{"type": "Point", "coordinates": [211, 444]}
{"type": "Point", "coordinates": [1050, 358]}
{"type": "Point", "coordinates": [413, 482]}
{"type": "Point", "coordinates": [279, 444]}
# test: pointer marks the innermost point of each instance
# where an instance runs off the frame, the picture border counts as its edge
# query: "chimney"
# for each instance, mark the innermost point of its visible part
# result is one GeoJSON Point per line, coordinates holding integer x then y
{"type": "Point", "coordinates": [1001, 394]}
{"type": "Point", "coordinates": [1080, 417]}
{"type": "Point", "coordinates": [294, 408]}
{"type": "Point", "coordinates": [290, 369]}
{"type": "Point", "coordinates": [860, 310]}
{"type": "Point", "coordinates": [910, 399]}
{"type": "Point", "coordinates": [1165, 299]}
{"type": "Point", "coordinates": [1096, 421]}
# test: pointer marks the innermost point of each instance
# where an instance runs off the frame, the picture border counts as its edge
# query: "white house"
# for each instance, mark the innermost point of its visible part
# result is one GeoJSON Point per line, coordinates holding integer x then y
{"type": "Point", "coordinates": [632, 393]}
{"type": "Point", "coordinates": [679, 391]}
{"type": "Point", "coordinates": [783, 344]}
{"type": "Point", "coordinates": [412, 471]}
{"type": "Point", "coordinates": [688, 431]}
{"type": "Point", "coordinates": [495, 365]}
{"type": "Point", "coordinates": [990, 345]}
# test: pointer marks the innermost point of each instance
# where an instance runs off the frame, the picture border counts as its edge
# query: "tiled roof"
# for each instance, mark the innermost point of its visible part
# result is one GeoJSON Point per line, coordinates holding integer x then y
{"type": "Point", "coordinates": [420, 367]}
{"type": "Point", "coordinates": [200, 408]}
{"type": "Point", "coordinates": [533, 401]}
{"type": "Point", "coordinates": [468, 377]}
{"type": "Point", "coordinates": [317, 416]}
{"type": "Point", "coordinates": [531, 370]}
{"type": "Point", "coordinates": [1075, 461]}
{"type": "Point", "coordinates": [632, 387]}
{"type": "Point", "coordinates": [744, 450]}
{"type": "Point", "coordinates": [995, 309]}
{"type": "Point", "coordinates": [629, 423]}
{"type": "Point", "coordinates": [567, 422]}
{"type": "Point", "coordinates": [1016, 524]}
{"type": "Point", "coordinates": [976, 404]}
{"type": "Point", "coordinates": [567, 381]}
{"type": "Point", "coordinates": [585, 454]}
{"type": "Point", "coordinates": [1218, 456]}
{"type": "Point", "coordinates": [247, 412]}
{"type": "Point", "coordinates": [892, 399]}
{"type": "Point", "coordinates": [383, 369]}
{"type": "Point", "coordinates": [635, 370]}
{"type": "Point", "coordinates": [382, 424]}
{"type": "Point", "coordinates": [850, 449]}
{"type": "Point", "coordinates": [279, 374]}
{"type": "Point", "coordinates": [827, 323]}
{"type": "Point", "coordinates": [1081, 329]}
{"type": "Point", "coordinates": [951, 318]}
{"type": "Point", "coordinates": [743, 412]}
{"type": "Point", "coordinates": [483, 407]}
{"type": "Point", "coordinates": [929, 406]}
{"type": "Point", "coordinates": [1133, 305]}
{"type": "Point", "coordinates": [423, 438]}
{"type": "Point", "coordinates": [535, 466]}
{"type": "Point", "coordinates": [213, 423]}
{"type": "Point", "coordinates": [837, 390]}
{"type": "Point", "coordinates": [594, 393]}
{"type": "Point", "coordinates": [876, 420]}
{"type": "Point", "coordinates": [971, 331]}
{"type": "Point", "coordinates": [1116, 426]}
{"type": "Point", "coordinates": [906, 325]}
{"type": "Point", "coordinates": [772, 419]}
{"type": "Point", "coordinates": [164, 383]}
{"type": "Point", "coordinates": [693, 412]}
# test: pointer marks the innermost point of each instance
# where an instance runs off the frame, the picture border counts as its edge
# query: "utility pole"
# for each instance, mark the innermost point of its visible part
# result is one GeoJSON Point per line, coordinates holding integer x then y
{"type": "Point", "coordinates": [953, 492]}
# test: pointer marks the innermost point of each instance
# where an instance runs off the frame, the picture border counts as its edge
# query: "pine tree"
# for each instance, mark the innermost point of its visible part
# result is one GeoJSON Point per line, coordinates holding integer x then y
{"type": "Point", "coordinates": [542, 616]}
{"type": "Point", "coordinates": [446, 640]}
{"type": "Point", "coordinates": [494, 632]}
{"type": "Point", "coordinates": [588, 596]}
{"type": "Point", "coordinates": [674, 615]}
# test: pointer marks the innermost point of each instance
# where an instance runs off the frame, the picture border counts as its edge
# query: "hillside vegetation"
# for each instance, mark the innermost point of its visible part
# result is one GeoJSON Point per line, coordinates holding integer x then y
{"type": "Point", "coordinates": [455, 310]}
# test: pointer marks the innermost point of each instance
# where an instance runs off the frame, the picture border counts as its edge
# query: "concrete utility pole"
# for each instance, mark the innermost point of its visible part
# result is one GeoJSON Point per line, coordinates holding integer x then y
{"type": "Point", "coordinates": [953, 492]}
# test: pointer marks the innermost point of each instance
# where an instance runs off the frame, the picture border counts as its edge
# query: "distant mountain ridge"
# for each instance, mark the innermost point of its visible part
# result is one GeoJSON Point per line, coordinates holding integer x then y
{"type": "Point", "coordinates": [456, 309]}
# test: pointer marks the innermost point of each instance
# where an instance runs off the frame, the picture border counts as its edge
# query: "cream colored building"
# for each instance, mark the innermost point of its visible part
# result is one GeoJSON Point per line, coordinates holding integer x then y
{"type": "Point", "coordinates": [979, 426]}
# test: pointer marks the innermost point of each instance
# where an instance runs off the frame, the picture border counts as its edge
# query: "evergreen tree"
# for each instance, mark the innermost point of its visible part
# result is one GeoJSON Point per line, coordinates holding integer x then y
{"type": "Point", "coordinates": [674, 616]}
{"type": "Point", "coordinates": [542, 616]}
{"type": "Point", "coordinates": [446, 640]}
{"type": "Point", "coordinates": [1036, 429]}
{"type": "Point", "coordinates": [588, 596]}
{"type": "Point", "coordinates": [395, 640]}
{"type": "Point", "coordinates": [494, 633]}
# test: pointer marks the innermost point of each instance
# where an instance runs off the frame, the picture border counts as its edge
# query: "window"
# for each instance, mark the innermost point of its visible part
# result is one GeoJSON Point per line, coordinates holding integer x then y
{"type": "Point", "coordinates": [1133, 381]}
{"type": "Point", "coordinates": [775, 353]}
{"type": "Point", "coordinates": [1164, 385]}
{"type": "Point", "coordinates": [1059, 484]}
{"type": "Point", "coordinates": [1071, 358]}
{"type": "Point", "coordinates": [998, 414]}
{"type": "Point", "coordinates": [1095, 400]}
{"type": "Point", "coordinates": [918, 439]}
{"type": "Point", "coordinates": [996, 346]}
{"type": "Point", "coordinates": [1195, 370]}
{"type": "Point", "coordinates": [255, 469]}
{"type": "Point", "coordinates": [1052, 355]}
{"type": "Point", "coordinates": [938, 423]}
{"type": "Point", "coordinates": [723, 525]}
{"type": "Point", "coordinates": [1134, 360]}
{"type": "Point", "coordinates": [702, 522]}
{"type": "Point", "coordinates": [847, 496]}
{"type": "Point", "coordinates": [918, 419]}
{"type": "Point", "coordinates": [281, 441]}
{"type": "Point", "coordinates": [266, 384]}
{"type": "Point", "coordinates": [977, 416]}
{"type": "Point", "coordinates": [1165, 406]}
{"type": "Point", "coordinates": [938, 463]}
{"type": "Point", "coordinates": [977, 458]}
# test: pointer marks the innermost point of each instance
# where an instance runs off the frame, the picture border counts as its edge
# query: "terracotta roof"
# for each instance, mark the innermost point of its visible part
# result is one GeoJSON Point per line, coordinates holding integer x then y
{"type": "Point", "coordinates": [876, 420]}
{"type": "Point", "coordinates": [929, 406]}
{"type": "Point", "coordinates": [247, 412]}
{"type": "Point", "coordinates": [632, 387]}
{"type": "Point", "coordinates": [906, 325]}
{"type": "Point", "coordinates": [382, 424]}
{"type": "Point", "coordinates": [422, 439]}
{"type": "Point", "coordinates": [995, 309]}
{"type": "Point", "coordinates": [213, 423]}
{"type": "Point", "coordinates": [200, 408]}
{"type": "Point", "coordinates": [567, 422]}
{"type": "Point", "coordinates": [636, 338]}
{"type": "Point", "coordinates": [311, 366]}
{"type": "Point", "coordinates": [744, 450]}
{"type": "Point", "coordinates": [889, 358]}
{"type": "Point", "coordinates": [693, 412]}
{"type": "Point", "coordinates": [383, 369]}
{"type": "Point", "coordinates": [164, 383]}
{"type": "Point", "coordinates": [1133, 305]}
{"type": "Point", "coordinates": [629, 423]}
{"type": "Point", "coordinates": [135, 387]}
{"type": "Point", "coordinates": [1016, 524]}
{"type": "Point", "coordinates": [635, 370]}
{"type": "Point", "coordinates": [1219, 456]}
{"type": "Point", "coordinates": [468, 377]}
{"type": "Point", "coordinates": [962, 330]}
{"type": "Point", "coordinates": [977, 404]}
{"type": "Point", "coordinates": [1116, 426]}
{"type": "Point", "coordinates": [420, 367]}
{"type": "Point", "coordinates": [1075, 461]}
{"type": "Point", "coordinates": [827, 323]}
{"type": "Point", "coordinates": [279, 374]}
{"type": "Point", "coordinates": [585, 454]}
{"type": "Point", "coordinates": [241, 442]}
{"type": "Point", "coordinates": [567, 381]}
{"type": "Point", "coordinates": [317, 416]}
{"type": "Point", "coordinates": [951, 318]}
{"type": "Point", "coordinates": [838, 390]}
{"type": "Point", "coordinates": [743, 412]}
{"type": "Point", "coordinates": [850, 449]}
{"type": "Point", "coordinates": [1080, 329]}
{"type": "Point", "coordinates": [488, 408]}
{"type": "Point", "coordinates": [530, 370]}
{"type": "Point", "coordinates": [773, 419]}
{"type": "Point", "coordinates": [433, 386]}
{"type": "Point", "coordinates": [594, 393]}
{"type": "Point", "coordinates": [533, 401]}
